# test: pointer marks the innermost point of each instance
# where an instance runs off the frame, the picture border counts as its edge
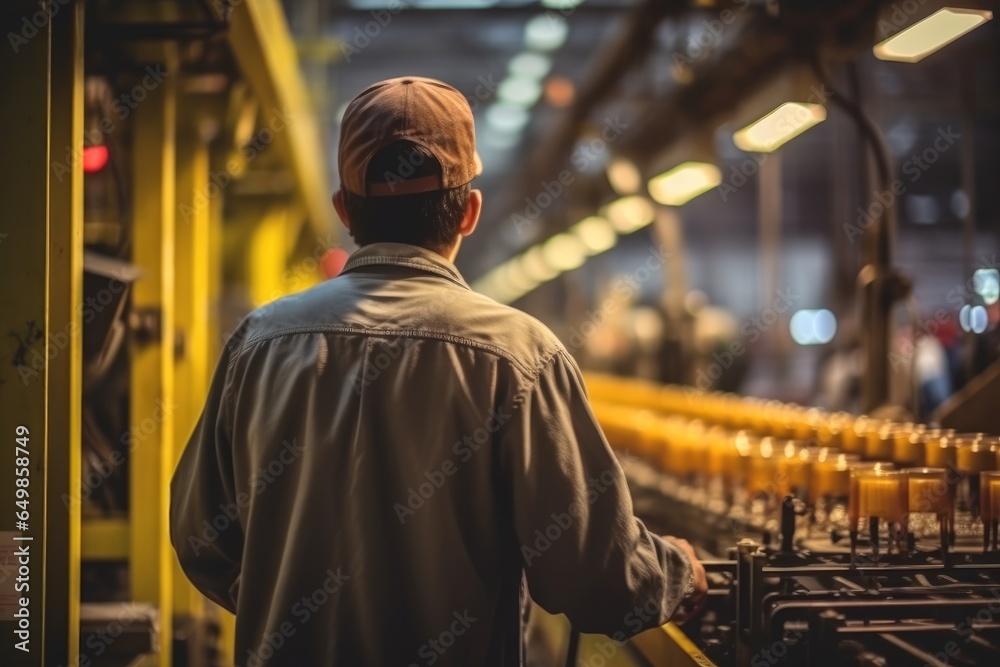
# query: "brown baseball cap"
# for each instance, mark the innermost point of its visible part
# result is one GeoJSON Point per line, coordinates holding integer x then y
{"type": "Point", "coordinates": [426, 112]}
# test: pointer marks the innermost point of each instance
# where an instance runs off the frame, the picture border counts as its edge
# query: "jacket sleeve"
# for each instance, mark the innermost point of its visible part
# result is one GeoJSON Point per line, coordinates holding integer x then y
{"type": "Point", "coordinates": [584, 552]}
{"type": "Point", "coordinates": [205, 524]}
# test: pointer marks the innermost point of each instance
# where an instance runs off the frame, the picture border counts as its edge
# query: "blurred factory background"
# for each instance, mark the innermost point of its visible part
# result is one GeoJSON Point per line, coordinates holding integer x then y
{"type": "Point", "coordinates": [785, 201]}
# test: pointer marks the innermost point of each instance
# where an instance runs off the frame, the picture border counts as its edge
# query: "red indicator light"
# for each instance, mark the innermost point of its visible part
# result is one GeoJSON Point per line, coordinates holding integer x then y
{"type": "Point", "coordinates": [94, 158]}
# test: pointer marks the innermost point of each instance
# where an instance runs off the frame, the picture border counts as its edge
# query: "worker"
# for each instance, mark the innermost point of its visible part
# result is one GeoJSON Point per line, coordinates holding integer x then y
{"type": "Point", "coordinates": [389, 463]}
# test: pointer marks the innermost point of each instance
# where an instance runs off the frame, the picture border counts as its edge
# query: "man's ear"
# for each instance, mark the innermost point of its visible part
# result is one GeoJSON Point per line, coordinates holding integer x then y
{"type": "Point", "coordinates": [473, 208]}
{"type": "Point", "coordinates": [338, 204]}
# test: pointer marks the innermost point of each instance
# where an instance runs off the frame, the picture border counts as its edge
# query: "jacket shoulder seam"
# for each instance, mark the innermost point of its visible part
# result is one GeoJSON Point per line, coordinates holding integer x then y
{"type": "Point", "coordinates": [399, 333]}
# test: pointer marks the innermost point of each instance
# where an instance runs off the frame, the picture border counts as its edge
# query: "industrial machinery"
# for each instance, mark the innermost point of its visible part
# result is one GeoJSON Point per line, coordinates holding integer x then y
{"type": "Point", "coordinates": [846, 540]}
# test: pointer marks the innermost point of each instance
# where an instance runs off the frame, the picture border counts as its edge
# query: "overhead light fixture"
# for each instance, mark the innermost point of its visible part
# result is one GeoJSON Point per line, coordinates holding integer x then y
{"type": "Point", "coordinates": [561, 4]}
{"type": "Point", "coordinates": [519, 92]}
{"type": "Point", "coordinates": [564, 252]}
{"type": "Point", "coordinates": [624, 176]}
{"type": "Point", "coordinates": [784, 123]}
{"type": "Point", "coordinates": [813, 327]}
{"type": "Point", "coordinates": [596, 233]}
{"type": "Point", "coordinates": [536, 267]}
{"type": "Point", "coordinates": [506, 119]}
{"type": "Point", "coordinates": [629, 213]}
{"type": "Point", "coordinates": [930, 34]}
{"type": "Point", "coordinates": [530, 65]}
{"type": "Point", "coordinates": [518, 279]}
{"type": "Point", "coordinates": [684, 182]}
{"type": "Point", "coordinates": [545, 32]}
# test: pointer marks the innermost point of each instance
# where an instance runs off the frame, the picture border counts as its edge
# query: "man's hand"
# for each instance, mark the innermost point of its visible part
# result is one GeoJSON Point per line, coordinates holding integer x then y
{"type": "Point", "coordinates": [691, 605]}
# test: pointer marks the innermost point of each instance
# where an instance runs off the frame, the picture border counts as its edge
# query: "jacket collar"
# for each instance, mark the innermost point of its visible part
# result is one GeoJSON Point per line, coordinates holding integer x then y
{"type": "Point", "coordinates": [403, 254]}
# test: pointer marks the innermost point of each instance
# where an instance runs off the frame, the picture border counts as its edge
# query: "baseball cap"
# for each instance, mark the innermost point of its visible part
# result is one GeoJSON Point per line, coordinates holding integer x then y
{"type": "Point", "coordinates": [426, 112]}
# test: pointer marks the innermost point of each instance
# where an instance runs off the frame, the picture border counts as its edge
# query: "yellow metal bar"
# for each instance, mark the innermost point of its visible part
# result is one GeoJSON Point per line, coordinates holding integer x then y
{"type": "Point", "coordinates": [266, 261]}
{"type": "Point", "coordinates": [191, 261]}
{"type": "Point", "coordinates": [41, 269]}
{"type": "Point", "coordinates": [152, 384]}
{"type": "Point", "coordinates": [64, 385]}
{"type": "Point", "coordinates": [227, 637]}
{"type": "Point", "coordinates": [106, 539]}
{"type": "Point", "coordinates": [668, 645]}
{"type": "Point", "coordinates": [266, 55]}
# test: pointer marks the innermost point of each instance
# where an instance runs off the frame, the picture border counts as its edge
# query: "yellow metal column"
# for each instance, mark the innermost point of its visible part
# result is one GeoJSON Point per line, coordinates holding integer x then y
{"type": "Point", "coordinates": [64, 385]}
{"type": "Point", "coordinates": [41, 270]}
{"type": "Point", "coordinates": [191, 262]}
{"type": "Point", "coordinates": [266, 260]}
{"type": "Point", "coordinates": [152, 384]}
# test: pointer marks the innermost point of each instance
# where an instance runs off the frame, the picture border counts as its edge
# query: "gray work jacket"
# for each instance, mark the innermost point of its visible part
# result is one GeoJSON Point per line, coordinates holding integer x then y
{"type": "Point", "coordinates": [384, 458]}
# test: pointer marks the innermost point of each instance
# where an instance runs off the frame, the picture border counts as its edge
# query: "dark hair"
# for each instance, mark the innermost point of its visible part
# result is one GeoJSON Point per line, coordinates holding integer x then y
{"type": "Point", "coordinates": [427, 219]}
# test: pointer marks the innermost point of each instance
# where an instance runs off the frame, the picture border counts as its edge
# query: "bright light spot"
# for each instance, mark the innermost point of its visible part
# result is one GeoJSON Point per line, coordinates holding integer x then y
{"type": "Point", "coordinates": [517, 277]}
{"type": "Point", "coordinates": [786, 122]}
{"type": "Point", "coordinates": [684, 182]}
{"type": "Point", "coordinates": [519, 92]}
{"type": "Point", "coordinates": [596, 233]}
{"type": "Point", "coordinates": [529, 65]}
{"type": "Point", "coordinates": [824, 326]}
{"type": "Point", "coordinates": [534, 265]}
{"type": "Point", "coordinates": [963, 317]}
{"type": "Point", "coordinates": [94, 158]}
{"type": "Point", "coordinates": [559, 91]}
{"type": "Point", "coordinates": [986, 283]}
{"type": "Point", "coordinates": [927, 36]}
{"type": "Point", "coordinates": [561, 4]}
{"type": "Point", "coordinates": [979, 319]}
{"type": "Point", "coordinates": [564, 252]}
{"type": "Point", "coordinates": [813, 327]}
{"type": "Point", "coordinates": [506, 119]}
{"type": "Point", "coordinates": [624, 176]}
{"type": "Point", "coordinates": [545, 32]}
{"type": "Point", "coordinates": [629, 213]}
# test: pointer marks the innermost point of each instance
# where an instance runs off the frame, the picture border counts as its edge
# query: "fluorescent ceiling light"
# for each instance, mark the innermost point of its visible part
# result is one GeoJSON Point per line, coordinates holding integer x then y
{"type": "Point", "coordinates": [561, 4]}
{"type": "Point", "coordinates": [517, 277]}
{"type": "Point", "coordinates": [928, 35]}
{"type": "Point", "coordinates": [624, 176]}
{"type": "Point", "coordinates": [629, 213]}
{"type": "Point", "coordinates": [545, 32]}
{"type": "Point", "coordinates": [534, 265]}
{"type": "Point", "coordinates": [506, 119]}
{"type": "Point", "coordinates": [786, 122]}
{"type": "Point", "coordinates": [596, 233]}
{"type": "Point", "coordinates": [564, 252]}
{"type": "Point", "coordinates": [684, 182]}
{"type": "Point", "coordinates": [519, 92]}
{"type": "Point", "coordinates": [529, 65]}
